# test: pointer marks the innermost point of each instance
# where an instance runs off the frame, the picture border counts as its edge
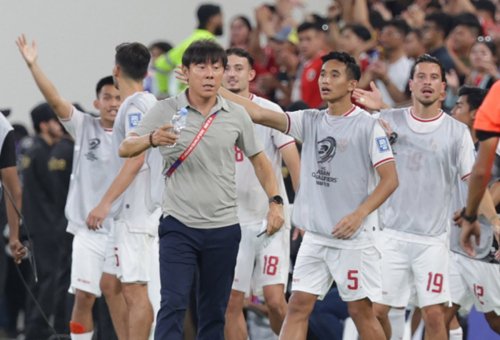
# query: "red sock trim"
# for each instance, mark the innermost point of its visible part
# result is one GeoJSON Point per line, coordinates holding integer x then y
{"type": "Point", "coordinates": [76, 328]}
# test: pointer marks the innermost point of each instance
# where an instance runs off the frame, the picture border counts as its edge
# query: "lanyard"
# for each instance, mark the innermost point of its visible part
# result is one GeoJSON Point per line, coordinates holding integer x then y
{"type": "Point", "coordinates": [191, 146]}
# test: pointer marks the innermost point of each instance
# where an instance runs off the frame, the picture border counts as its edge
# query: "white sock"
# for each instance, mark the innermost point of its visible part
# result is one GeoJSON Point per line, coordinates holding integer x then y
{"type": "Point", "coordinates": [397, 319]}
{"type": "Point", "coordinates": [456, 334]}
{"type": "Point", "coordinates": [82, 336]}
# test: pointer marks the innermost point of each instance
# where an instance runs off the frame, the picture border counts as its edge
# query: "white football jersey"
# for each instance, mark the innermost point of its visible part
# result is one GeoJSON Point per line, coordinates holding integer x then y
{"type": "Point", "coordinates": [144, 194]}
{"type": "Point", "coordinates": [253, 202]}
{"type": "Point", "coordinates": [90, 175]}
{"type": "Point", "coordinates": [430, 156]}
{"type": "Point", "coordinates": [338, 161]}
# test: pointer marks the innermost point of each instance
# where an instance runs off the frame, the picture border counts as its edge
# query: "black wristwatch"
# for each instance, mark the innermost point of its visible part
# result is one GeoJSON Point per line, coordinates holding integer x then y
{"type": "Point", "coordinates": [276, 199]}
{"type": "Point", "coordinates": [470, 219]}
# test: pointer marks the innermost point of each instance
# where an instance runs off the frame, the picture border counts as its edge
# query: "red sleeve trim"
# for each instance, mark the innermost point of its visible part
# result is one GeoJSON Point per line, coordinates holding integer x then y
{"type": "Point", "coordinates": [288, 124]}
{"type": "Point", "coordinates": [286, 144]}
{"type": "Point", "coordinates": [466, 176]}
{"type": "Point", "coordinates": [383, 161]}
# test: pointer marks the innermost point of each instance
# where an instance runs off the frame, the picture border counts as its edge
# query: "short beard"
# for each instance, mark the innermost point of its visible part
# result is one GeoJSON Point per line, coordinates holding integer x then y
{"type": "Point", "coordinates": [219, 30]}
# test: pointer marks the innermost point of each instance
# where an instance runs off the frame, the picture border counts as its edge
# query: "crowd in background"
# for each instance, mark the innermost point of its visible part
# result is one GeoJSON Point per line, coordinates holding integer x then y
{"type": "Point", "coordinates": [385, 37]}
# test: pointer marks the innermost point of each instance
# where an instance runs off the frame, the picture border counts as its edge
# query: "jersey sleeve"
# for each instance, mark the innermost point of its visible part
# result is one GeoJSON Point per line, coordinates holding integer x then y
{"type": "Point", "coordinates": [151, 121]}
{"type": "Point", "coordinates": [380, 149]}
{"type": "Point", "coordinates": [8, 152]}
{"type": "Point", "coordinates": [280, 140]}
{"type": "Point", "coordinates": [74, 124]}
{"type": "Point", "coordinates": [295, 126]}
{"type": "Point", "coordinates": [466, 155]}
{"type": "Point", "coordinates": [133, 117]}
{"type": "Point", "coordinates": [247, 140]}
{"type": "Point", "coordinates": [487, 121]}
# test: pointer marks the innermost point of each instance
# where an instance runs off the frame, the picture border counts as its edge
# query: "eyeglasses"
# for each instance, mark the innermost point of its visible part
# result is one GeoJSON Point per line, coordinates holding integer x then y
{"type": "Point", "coordinates": [486, 38]}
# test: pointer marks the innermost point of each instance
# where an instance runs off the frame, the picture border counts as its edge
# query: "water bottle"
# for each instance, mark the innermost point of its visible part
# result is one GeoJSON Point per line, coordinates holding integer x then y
{"type": "Point", "coordinates": [178, 121]}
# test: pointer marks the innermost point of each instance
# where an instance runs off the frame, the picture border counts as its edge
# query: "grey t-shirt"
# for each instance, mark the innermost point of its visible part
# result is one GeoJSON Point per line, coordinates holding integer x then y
{"type": "Point", "coordinates": [201, 193]}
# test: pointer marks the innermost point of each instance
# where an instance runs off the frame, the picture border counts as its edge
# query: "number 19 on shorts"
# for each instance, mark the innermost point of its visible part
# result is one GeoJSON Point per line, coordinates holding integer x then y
{"type": "Point", "coordinates": [435, 282]}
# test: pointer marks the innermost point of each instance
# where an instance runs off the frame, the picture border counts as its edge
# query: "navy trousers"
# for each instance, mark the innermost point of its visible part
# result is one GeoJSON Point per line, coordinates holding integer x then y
{"type": "Point", "coordinates": [183, 251]}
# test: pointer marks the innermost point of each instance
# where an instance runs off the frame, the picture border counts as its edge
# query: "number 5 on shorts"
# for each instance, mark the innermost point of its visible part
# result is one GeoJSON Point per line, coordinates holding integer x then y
{"type": "Point", "coordinates": [352, 276]}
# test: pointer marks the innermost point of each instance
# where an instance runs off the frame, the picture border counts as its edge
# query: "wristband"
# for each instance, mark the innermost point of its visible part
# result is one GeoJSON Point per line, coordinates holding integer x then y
{"type": "Point", "coordinates": [276, 199]}
{"type": "Point", "coordinates": [151, 139]}
{"type": "Point", "coordinates": [470, 219]}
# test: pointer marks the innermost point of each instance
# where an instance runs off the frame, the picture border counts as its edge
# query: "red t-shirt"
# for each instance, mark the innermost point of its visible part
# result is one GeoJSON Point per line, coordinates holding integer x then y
{"type": "Point", "coordinates": [309, 89]}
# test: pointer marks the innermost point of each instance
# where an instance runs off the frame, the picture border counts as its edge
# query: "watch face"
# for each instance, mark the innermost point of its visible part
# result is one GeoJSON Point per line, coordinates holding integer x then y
{"type": "Point", "coordinates": [277, 199]}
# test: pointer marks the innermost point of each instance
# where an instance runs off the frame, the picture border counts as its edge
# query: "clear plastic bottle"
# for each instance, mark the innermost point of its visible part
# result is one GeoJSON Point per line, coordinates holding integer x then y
{"type": "Point", "coordinates": [178, 121]}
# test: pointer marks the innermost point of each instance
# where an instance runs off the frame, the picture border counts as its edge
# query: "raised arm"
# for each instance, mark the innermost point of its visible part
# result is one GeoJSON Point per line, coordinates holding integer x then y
{"type": "Point", "coordinates": [29, 52]}
{"type": "Point", "coordinates": [258, 114]}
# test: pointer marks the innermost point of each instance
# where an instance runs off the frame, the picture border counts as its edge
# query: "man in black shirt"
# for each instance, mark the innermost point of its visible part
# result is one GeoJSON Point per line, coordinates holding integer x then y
{"type": "Point", "coordinates": [39, 217]}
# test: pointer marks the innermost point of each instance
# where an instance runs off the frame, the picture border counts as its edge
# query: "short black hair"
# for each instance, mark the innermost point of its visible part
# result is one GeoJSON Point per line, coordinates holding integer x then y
{"type": "Point", "coordinates": [443, 22]}
{"type": "Point", "coordinates": [205, 12]}
{"type": "Point", "coordinates": [398, 24]}
{"type": "Point", "coordinates": [470, 21]}
{"type": "Point", "coordinates": [485, 5]}
{"type": "Point", "coordinates": [352, 67]}
{"type": "Point", "coordinates": [163, 46]}
{"type": "Point", "coordinates": [359, 30]}
{"type": "Point", "coordinates": [427, 58]}
{"type": "Point", "coordinates": [42, 113]}
{"type": "Point", "coordinates": [240, 53]}
{"type": "Point", "coordinates": [309, 26]}
{"type": "Point", "coordinates": [133, 59]}
{"type": "Point", "coordinates": [103, 82]}
{"type": "Point", "coordinates": [475, 95]}
{"type": "Point", "coordinates": [204, 51]}
{"type": "Point", "coordinates": [376, 19]}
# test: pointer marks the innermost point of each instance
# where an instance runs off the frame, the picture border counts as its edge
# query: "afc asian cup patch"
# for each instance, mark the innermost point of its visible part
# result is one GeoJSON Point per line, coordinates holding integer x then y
{"type": "Point", "coordinates": [134, 119]}
{"type": "Point", "coordinates": [382, 144]}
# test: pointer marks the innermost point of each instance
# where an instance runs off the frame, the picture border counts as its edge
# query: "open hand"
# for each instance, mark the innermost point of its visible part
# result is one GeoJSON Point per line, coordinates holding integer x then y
{"type": "Point", "coordinates": [372, 100]}
{"type": "Point", "coordinates": [28, 51]}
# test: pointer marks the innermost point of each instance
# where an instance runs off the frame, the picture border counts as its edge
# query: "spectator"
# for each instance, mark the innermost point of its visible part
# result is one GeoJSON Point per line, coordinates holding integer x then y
{"type": "Point", "coordinates": [305, 87]}
{"type": "Point", "coordinates": [392, 72]}
{"type": "Point", "coordinates": [240, 32]}
{"type": "Point", "coordinates": [357, 41]}
{"type": "Point", "coordinates": [485, 11]}
{"type": "Point", "coordinates": [436, 28]}
{"type": "Point", "coordinates": [413, 45]}
{"type": "Point", "coordinates": [462, 37]}
{"type": "Point", "coordinates": [209, 26]}
{"type": "Point", "coordinates": [483, 61]}
{"type": "Point", "coordinates": [285, 51]}
{"type": "Point", "coordinates": [157, 49]}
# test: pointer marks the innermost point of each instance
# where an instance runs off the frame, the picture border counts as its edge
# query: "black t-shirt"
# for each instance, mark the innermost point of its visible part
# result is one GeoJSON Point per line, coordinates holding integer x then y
{"type": "Point", "coordinates": [8, 153]}
{"type": "Point", "coordinates": [38, 193]}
